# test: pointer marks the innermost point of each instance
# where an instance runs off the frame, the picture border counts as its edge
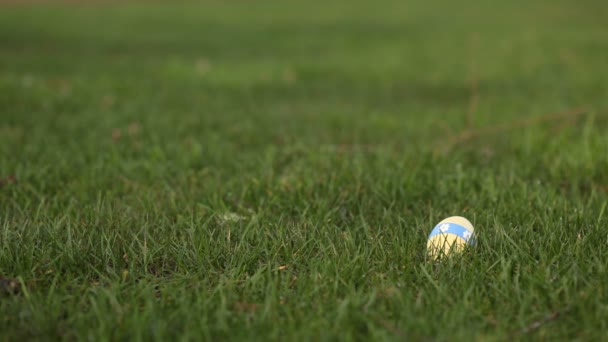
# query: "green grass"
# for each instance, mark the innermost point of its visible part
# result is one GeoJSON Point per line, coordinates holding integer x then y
{"type": "Point", "coordinates": [270, 170]}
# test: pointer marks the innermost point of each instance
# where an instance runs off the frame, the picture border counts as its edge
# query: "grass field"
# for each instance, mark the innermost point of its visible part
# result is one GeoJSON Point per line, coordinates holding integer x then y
{"type": "Point", "coordinates": [270, 170]}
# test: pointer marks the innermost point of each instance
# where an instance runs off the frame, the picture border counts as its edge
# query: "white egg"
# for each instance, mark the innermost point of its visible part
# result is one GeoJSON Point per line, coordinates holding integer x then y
{"type": "Point", "coordinates": [449, 236]}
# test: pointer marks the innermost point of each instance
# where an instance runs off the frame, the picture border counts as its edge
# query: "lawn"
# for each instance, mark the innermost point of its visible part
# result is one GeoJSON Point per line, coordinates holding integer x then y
{"type": "Point", "coordinates": [270, 170]}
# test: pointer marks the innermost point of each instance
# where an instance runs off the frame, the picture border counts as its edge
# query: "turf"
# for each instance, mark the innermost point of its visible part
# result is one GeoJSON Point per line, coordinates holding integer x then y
{"type": "Point", "coordinates": [270, 170]}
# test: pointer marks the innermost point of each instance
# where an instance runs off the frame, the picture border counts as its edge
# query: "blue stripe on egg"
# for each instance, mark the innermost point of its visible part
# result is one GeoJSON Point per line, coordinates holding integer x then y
{"type": "Point", "coordinates": [456, 229]}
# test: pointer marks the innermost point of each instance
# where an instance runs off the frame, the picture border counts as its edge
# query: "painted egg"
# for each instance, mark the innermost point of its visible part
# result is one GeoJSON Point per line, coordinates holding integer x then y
{"type": "Point", "coordinates": [450, 236]}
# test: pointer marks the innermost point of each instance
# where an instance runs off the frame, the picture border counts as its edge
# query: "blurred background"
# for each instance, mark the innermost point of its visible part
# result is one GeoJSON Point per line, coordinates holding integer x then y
{"type": "Point", "coordinates": [187, 84]}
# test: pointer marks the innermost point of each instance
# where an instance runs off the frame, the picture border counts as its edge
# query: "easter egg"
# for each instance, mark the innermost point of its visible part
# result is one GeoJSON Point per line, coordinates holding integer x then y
{"type": "Point", "coordinates": [450, 236]}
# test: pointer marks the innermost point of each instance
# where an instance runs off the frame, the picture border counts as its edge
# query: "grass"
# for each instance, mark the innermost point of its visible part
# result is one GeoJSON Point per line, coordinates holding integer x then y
{"type": "Point", "coordinates": [270, 171]}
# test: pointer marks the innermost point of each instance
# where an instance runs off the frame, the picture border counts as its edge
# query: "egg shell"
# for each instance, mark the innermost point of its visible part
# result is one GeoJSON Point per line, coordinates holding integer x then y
{"type": "Point", "coordinates": [450, 236]}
